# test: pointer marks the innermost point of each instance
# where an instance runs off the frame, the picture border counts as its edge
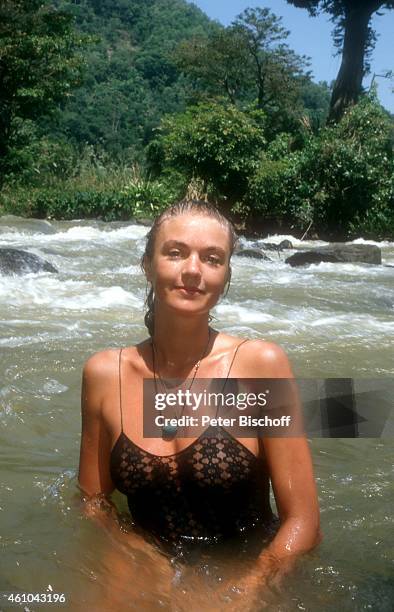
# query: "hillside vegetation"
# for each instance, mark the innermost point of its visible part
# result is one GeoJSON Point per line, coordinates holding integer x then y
{"type": "Point", "coordinates": [150, 100]}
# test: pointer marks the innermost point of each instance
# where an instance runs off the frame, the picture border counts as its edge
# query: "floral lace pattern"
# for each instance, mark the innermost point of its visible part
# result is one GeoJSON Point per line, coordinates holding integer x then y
{"type": "Point", "coordinates": [213, 488]}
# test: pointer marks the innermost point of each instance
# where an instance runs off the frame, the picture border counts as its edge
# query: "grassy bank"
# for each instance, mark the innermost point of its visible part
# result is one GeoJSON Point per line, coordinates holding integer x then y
{"type": "Point", "coordinates": [113, 193]}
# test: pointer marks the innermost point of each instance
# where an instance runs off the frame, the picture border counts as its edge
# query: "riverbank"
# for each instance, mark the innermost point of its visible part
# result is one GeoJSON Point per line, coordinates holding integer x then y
{"type": "Point", "coordinates": [111, 205]}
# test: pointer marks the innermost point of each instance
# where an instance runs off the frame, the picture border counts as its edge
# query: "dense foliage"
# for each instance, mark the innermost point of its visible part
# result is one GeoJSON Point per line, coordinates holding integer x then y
{"type": "Point", "coordinates": [338, 182]}
{"type": "Point", "coordinates": [131, 79]}
{"type": "Point", "coordinates": [250, 60]}
{"type": "Point", "coordinates": [341, 181]}
{"type": "Point", "coordinates": [172, 103]}
{"type": "Point", "coordinates": [39, 64]}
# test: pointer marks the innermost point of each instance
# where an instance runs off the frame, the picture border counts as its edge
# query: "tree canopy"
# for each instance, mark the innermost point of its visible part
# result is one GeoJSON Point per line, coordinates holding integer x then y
{"type": "Point", "coordinates": [214, 142]}
{"type": "Point", "coordinates": [249, 61]}
{"type": "Point", "coordinates": [155, 57]}
{"type": "Point", "coordinates": [131, 79]}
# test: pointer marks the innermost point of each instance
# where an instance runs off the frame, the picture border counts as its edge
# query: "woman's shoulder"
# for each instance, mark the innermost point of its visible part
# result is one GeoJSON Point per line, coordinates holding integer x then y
{"type": "Point", "coordinates": [101, 362]}
{"type": "Point", "coordinates": [100, 379]}
{"type": "Point", "coordinates": [258, 357]}
{"type": "Point", "coordinates": [106, 362]}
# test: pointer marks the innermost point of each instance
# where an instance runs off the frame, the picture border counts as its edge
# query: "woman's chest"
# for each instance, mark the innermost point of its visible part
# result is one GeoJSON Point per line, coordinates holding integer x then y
{"type": "Point", "coordinates": [214, 462]}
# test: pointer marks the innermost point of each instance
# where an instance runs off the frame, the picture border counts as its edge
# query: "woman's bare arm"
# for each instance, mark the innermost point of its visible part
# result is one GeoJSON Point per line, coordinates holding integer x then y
{"type": "Point", "coordinates": [94, 462]}
{"type": "Point", "coordinates": [291, 472]}
{"type": "Point", "coordinates": [293, 484]}
{"type": "Point", "coordinates": [100, 378]}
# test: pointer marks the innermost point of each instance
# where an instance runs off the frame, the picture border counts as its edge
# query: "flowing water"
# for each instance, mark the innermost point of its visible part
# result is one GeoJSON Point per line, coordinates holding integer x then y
{"type": "Point", "coordinates": [334, 320]}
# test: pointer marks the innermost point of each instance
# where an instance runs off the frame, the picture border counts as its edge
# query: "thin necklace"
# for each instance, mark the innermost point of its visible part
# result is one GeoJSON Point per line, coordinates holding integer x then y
{"type": "Point", "coordinates": [168, 432]}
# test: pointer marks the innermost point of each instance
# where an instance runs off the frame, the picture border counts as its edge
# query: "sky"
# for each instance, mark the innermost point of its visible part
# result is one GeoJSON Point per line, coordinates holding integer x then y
{"type": "Point", "coordinates": [312, 36]}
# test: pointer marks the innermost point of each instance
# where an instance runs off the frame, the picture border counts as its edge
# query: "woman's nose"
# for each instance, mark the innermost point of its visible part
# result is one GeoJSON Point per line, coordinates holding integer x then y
{"type": "Point", "coordinates": [192, 265]}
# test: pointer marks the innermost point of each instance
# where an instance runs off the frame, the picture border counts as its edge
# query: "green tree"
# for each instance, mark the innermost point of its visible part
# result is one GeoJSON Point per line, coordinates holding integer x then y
{"type": "Point", "coordinates": [125, 108]}
{"type": "Point", "coordinates": [316, 100]}
{"type": "Point", "coordinates": [276, 67]}
{"type": "Point", "coordinates": [248, 60]}
{"type": "Point", "coordinates": [355, 37]}
{"type": "Point", "coordinates": [39, 65]}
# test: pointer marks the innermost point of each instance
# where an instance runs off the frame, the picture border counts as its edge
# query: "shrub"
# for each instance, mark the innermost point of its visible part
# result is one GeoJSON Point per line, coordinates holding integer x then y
{"type": "Point", "coordinates": [137, 199]}
{"type": "Point", "coordinates": [376, 223]}
{"type": "Point", "coordinates": [351, 164]}
{"type": "Point", "coordinates": [148, 197]}
{"type": "Point", "coordinates": [268, 189]}
{"type": "Point", "coordinates": [213, 141]}
{"type": "Point", "coordinates": [58, 203]}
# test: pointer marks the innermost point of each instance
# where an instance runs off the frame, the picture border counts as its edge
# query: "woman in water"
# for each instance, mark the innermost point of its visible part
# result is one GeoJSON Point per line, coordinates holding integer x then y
{"type": "Point", "coordinates": [211, 487]}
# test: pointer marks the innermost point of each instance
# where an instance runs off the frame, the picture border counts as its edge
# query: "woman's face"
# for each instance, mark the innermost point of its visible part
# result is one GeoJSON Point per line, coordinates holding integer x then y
{"type": "Point", "coordinates": [190, 264]}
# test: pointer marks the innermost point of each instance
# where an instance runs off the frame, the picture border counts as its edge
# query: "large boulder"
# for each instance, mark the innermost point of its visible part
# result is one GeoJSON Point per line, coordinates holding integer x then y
{"type": "Point", "coordinates": [338, 253]}
{"type": "Point", "coordinates": [15, 261]}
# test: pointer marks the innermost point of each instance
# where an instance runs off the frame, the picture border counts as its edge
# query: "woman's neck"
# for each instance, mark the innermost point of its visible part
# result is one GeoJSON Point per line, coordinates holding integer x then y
{"type": "Point", "coordinates": [181, 343]}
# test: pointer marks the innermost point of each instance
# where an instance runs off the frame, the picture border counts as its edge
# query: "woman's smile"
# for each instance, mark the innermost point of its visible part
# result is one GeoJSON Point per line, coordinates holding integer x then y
{"type": "Point", "coordinates": [190, 290]}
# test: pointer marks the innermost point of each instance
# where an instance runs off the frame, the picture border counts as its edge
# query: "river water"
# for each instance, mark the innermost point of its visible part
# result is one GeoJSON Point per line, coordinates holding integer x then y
{"type": "Point", "coordinates": [334, 320]}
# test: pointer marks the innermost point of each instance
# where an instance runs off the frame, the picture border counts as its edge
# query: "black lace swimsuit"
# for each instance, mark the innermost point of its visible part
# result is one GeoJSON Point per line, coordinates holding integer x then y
{"type": "Point", "coordinates": [212, 490]}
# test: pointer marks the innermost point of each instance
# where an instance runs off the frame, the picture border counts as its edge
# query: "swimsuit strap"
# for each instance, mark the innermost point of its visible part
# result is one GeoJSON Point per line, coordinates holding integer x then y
{"type": "Point", "coordinates": [120, 390]}
{"type": "Point", "coordinates": [233, 359]}
{"type": "Point", "coordinates": [229, 370]}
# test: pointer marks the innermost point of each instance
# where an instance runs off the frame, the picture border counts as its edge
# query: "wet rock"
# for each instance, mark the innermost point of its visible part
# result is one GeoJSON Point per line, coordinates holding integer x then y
{"type": "Point", "coordinates": [338, 253]}
{"type": "Point", "coordinates": [15, 261]}
{"type": "Point", "coordinates": [254, 253]}
{"type": "Point", "coordinates": [286, 244]}
{"type": "Point", "coordinates": [271, 246]}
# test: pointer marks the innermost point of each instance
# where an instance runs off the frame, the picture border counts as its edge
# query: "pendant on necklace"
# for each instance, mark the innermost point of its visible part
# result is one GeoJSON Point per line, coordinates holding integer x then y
{"type": "Point", "coordinates": [168, 432]}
